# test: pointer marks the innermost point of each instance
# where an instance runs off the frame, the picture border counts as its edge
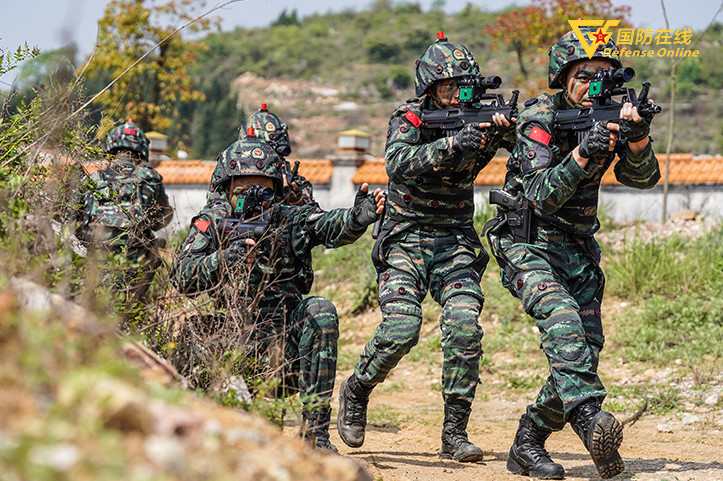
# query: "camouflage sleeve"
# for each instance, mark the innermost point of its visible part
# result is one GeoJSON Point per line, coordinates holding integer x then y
{"type": "Point", "coordinates": [404, 156]}
{"type": "Point", "coordinates": [331, 229]}
{"type": "Point", "coordinates": [197, 267]}
{"type": "Point", "coordinates": [638, 171]}
{"type": "Point", "coordinates": [548, 181]}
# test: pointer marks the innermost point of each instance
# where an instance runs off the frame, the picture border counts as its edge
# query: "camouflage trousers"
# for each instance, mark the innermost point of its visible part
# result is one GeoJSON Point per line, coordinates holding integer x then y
{"type": "Point", "coordinates": [560, 284]}
{"type": "Point", "coordinates": [416, 260]}
{"type": "Point", "coordinates": [302, 348]}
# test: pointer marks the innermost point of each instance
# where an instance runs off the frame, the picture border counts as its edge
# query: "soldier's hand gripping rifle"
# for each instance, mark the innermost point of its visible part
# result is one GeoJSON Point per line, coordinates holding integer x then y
{"type": "Point", "coordinates": [476, 105]}
{"type": "Point", "coordinates": [250, 218]}
{"type": "Point", "coordinates": [604, 84]}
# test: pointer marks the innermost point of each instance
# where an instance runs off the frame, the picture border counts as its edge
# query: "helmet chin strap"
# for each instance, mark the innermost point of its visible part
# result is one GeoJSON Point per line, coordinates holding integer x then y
{"type": "Point", "coordinates": [437, 103]}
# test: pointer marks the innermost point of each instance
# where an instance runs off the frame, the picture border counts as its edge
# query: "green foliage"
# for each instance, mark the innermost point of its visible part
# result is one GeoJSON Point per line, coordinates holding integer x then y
{"type": "Point", "coordinates": [677, 286]}
{"type": "Point", "coordinates": [9, 60]}
{"type": "Point", "coordinates": [670, 267]}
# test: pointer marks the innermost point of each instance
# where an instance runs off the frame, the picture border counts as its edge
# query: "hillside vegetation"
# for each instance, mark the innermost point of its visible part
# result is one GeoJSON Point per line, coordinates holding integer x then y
{"type": "Point", "coordinates": [368, 56]}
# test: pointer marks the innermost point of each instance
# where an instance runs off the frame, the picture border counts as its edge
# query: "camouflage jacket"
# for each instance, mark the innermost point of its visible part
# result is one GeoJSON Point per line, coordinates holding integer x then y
{"type": "Point", "coordinates": [122, 203]}
{"type": "Point", "coordinates": [563, 193]}
{"type": "Point", "coordinates": [281, 269]}
{"type": "Point", "coordinates": [428, 183]}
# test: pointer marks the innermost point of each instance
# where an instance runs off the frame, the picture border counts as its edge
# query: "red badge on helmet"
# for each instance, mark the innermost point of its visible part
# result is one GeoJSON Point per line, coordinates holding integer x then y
{"type": "Point", "coordinates": [412, 117]}
{"type": "Point", "coordinates": [202, 225]}
{"type": "Point", "coordinates": [540, 135]}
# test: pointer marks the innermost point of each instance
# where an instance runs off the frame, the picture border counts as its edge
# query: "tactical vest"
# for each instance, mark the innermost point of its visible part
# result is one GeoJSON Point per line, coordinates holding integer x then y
{"type": "Point", "coordinates": [578, 215]}
{"type": "Point", "coordinates": [443, 196]}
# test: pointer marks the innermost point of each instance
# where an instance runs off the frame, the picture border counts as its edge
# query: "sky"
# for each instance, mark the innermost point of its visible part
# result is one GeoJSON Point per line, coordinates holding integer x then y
{"type": "Point", "coordinates": [50, 24]}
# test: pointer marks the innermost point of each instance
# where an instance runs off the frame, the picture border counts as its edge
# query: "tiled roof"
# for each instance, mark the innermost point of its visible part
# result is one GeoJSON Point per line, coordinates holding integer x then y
{"type": "Point", "coordinates": [317, 171]}
{"type": "Point", "coordinates": [186, 171]}
{"type": "Point", "coordinates": [684, 168]}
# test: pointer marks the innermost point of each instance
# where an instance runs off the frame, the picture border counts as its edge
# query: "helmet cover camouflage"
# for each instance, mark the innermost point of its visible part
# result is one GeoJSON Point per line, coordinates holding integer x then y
{"type": "Point", "coordinates": [568, 50]}
{"type": "Point", "coordinates": [127, 137]}
{"type": "Point", "coordinates": [269, 128]}
{"type": "Point", "coordinates": [250, 156]}
{"type": "Point", "coordinates": [443, 60]}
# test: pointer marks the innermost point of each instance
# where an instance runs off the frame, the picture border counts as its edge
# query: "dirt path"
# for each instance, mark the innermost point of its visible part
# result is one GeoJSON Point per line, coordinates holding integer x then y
{"type": "Point", "coordinates": [405, 418]}
{"type": "Point", "coordinates": [408, 451]}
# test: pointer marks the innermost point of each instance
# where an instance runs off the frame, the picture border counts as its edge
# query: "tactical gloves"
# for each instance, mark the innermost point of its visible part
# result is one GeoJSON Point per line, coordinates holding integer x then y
{"type": "Point", "coordinates": [364, 210]}
{"type": "Point", "coordinates": [235, 252]}
{"type": "Point", "coordinates": [634, 131]}
{"type": "Point", "coordinates": [596, 142]}
{"type": "Point", "coordinates": [468, 140]}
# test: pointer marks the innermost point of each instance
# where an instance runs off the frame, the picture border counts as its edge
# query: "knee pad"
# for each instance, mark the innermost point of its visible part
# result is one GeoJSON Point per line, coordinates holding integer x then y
{"type": "Point", "coordinates": [321, 312]}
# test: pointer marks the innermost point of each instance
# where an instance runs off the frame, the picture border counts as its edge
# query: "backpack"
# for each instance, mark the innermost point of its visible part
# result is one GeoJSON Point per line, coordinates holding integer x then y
{"type": "Point", "coordinates": [118, 199]}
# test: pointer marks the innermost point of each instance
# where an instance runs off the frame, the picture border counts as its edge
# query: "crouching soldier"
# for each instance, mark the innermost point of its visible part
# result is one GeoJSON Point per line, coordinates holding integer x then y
{"type": "Point", "coordinates": [253, 255]}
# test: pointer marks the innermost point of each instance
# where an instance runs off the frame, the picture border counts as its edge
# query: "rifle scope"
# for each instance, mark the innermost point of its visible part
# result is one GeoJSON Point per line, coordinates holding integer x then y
{"type": "Point", "coordinates": [471, 86]}
{"type": "Point", "coordinates": [604, 81]}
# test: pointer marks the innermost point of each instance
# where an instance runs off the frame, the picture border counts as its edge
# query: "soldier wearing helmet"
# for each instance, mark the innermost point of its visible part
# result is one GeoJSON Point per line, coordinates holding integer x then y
{"type": "Point", "coordinates": [270, 128]}
{"type": "Point", "coordinates": [123, 204]}
{"type": "Point", "coordinates": [553, 265]}
{"type": "Point", "coordinates": [428, 243]}
{"type": "Point", "coordinates": [259, 280]}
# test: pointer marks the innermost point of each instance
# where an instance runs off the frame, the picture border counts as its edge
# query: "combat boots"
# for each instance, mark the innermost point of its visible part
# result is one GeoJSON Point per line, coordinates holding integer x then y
{"type": "Point", "coordinates": [351, 420]}
{"type": "Point", "coordinates": [455, 444]}
{"type": "Point", "coordinates": [602, 435]}
{"type": "Point", "coordinates": [528, 455]}
{"type": "Point", "coordinates": [315, 428]}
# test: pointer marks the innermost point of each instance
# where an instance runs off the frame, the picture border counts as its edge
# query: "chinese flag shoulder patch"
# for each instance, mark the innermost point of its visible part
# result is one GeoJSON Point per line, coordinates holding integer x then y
{"type": "Point", "coordinates": [412, 117]}
{"type": "Point", "coordinates": [202, 225]}
{"type": "Point", "coordinates": [540, 135]}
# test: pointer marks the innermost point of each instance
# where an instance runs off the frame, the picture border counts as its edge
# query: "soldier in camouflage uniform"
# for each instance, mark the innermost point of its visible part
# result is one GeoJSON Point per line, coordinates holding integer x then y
{"type": "Point", "coordinates": [270, 128]}
{"type": "Point", "coordinates": [260, 282]}
{"type": "Point", "coordinates": [428, 243]}
{"type": "Point", "coordinates": [122, 204]}
{"type": "Point", "coordinates": [555, 272]}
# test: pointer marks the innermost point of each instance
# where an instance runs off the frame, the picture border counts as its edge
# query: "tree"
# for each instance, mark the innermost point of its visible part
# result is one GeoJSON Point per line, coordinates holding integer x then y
{"type": "Point", "coordinates": [150, 92]}
{"type": "Point", "coordinates": [538, 26]}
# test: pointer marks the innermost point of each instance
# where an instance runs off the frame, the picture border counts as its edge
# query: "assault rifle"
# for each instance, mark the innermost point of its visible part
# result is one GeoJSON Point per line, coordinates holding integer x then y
{"type": "Point", "coordinates": [250, 219]}
{"type": "Point", "coordinates": [472, 109]}
{"type": "Point", "coordinates": [604, 84]}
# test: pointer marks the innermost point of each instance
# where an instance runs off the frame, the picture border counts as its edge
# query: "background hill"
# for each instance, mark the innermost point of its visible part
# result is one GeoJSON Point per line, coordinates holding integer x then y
{"type": "Point", "coordinates": [367, 60]}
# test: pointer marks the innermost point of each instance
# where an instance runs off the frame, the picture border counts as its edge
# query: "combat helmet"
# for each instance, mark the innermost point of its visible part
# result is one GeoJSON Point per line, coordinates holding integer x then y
{"type": "Point", "coordinates": [443, 60]}
{"type": "Point", "coordinates": [250, 156]}
{"type": "Point", "coordinates": [569, 49]}
{"type": "Point", "coordinates": [269, 128]}
{"type": "Point", "coordinates": [127, 137]}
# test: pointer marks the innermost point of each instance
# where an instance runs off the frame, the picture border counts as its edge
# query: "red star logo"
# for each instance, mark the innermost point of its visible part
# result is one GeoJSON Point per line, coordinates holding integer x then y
{"type": "Point", "coordinates": [600, 36]}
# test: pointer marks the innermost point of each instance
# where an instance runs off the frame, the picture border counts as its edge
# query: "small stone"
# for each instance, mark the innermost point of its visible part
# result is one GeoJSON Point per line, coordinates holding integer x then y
{"type": "Point", "coordinates": [665, 428]}
{"type": "Point", "coordinates": [712, 399]}
{"type": "Point", "coordinates": [60, 457]}
{"type": "Point", "coordinates": [690, 419]}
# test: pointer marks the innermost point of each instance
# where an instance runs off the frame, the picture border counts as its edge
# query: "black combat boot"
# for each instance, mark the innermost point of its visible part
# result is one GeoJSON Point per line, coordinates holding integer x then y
{"type": "Point", "coordinates": [455, 444]}
{"type": "Point", "coordinates": [352, 418]}
{"type": "Point", "coordinates": [602, 435]}
{"type": "Point", "coordinates": [528, 455]}
{"type": "Point", "coordinates": [315, 428]}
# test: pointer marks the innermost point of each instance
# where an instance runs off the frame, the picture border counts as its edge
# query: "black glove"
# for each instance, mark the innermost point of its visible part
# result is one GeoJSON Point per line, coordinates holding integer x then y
{"type": "Point", "coordinates": [469, 139]}
{"type": "Point", "coordinates": [364, 210]}
{"type": "Point", "coordinates": [634, 131]}
{"type": "Point", "coordinates": [596, 142]}
{"type": "Point", "coordinates": [235, 252]}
